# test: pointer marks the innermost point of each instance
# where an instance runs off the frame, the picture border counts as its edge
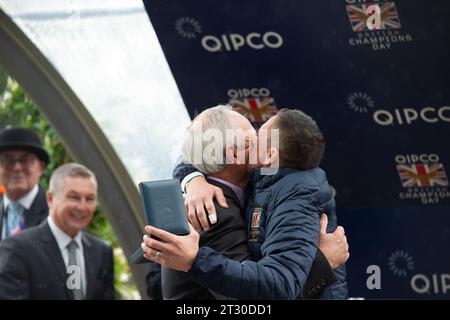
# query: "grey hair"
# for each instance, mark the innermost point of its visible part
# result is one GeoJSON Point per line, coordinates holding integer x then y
{"type": "Point", "coordinates": [69, 170]}
{"type": "Point", "coordinates": [213, 120]}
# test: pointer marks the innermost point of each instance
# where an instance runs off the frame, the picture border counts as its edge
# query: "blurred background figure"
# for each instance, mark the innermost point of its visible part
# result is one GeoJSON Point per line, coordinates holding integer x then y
{"type": "Point", "coordinates": [56, 260]}
{"type": "Point", "coordinates": [22, 162]}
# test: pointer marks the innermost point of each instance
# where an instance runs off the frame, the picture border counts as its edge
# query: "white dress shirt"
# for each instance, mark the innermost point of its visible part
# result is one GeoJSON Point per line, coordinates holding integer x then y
{"type": "Point", "coordinates": [63, 240]}
{"type": "Point", "coordinates": [26, 201]}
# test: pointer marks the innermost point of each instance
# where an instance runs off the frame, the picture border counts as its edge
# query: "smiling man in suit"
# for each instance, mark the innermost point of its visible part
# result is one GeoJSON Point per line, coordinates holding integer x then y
{"type": "Point", "coordinates": [56, 260]}
{"type": "Point", "coordinates": [22, 162]}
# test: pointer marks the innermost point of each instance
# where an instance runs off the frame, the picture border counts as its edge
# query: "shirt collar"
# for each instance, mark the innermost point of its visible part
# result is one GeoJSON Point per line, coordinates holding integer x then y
{"type": "Point", "coordinates": [62, 238]}
{"type": "Point", "coordinates": [26, 201]}
{"type": "Point", "coordinates": [238, 191]}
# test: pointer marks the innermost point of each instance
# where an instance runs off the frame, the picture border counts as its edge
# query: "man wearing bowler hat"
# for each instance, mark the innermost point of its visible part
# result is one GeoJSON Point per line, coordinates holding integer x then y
{"type": "Point", "coordinates": [22, 162]}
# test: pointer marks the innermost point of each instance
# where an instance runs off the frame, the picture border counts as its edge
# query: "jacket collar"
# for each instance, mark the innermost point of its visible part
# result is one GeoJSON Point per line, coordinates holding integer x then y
{"type": "Point", "coordinates": [91, 258]}
{"type": "Point", "coordinates": [54, 253]}
{"type": "Point", "coordinates": [26, 201]}
{"type": "Point", "coordinates": [261, 181]}
{"type": "Point", "coordinates": [38, 210]}
{"type": "Point", "coordinates": [33, 216]}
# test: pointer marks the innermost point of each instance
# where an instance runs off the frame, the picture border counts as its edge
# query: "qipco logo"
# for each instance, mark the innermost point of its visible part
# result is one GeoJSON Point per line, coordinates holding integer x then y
{"type": "Point", "coordinates": [436, 283]}
{"type": "Point", "coordinates": [235, 41]}
{"type": "Point", "coordinates": [408, 116]}
{"type": "Point", "coordinates": [417, 158]}
{"type": "Point", "coordinates": [248, 92]}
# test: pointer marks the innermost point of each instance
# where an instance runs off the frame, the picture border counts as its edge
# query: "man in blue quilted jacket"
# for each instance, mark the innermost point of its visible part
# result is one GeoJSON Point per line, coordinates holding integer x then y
{"type": "Point", "coordinates": [282, 218]}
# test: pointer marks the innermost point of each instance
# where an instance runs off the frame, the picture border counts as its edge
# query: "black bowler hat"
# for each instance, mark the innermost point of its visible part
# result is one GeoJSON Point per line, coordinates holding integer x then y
{"type": "Point", "coordinates": [22, 139]}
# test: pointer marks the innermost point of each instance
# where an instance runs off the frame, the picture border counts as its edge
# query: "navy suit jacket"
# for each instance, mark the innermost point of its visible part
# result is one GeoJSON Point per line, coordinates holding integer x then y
{"type": "Point", "coordinates": [32, 267]}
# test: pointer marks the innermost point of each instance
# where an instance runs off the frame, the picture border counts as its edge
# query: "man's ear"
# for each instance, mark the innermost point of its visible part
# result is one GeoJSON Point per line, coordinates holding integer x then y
{"type": "Point", "coordinates": [50, 198]}
{"type": "Point", "coordinates": [43, 166]}
{"type": "Point", "coordinates": [272, 159]}
{"type": "Point", "coordinates": [230, 154]}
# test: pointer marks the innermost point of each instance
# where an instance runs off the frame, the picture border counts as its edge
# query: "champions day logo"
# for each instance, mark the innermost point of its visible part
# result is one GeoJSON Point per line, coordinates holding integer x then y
{"type": "Point", "coordinates": [191, 29]}
{"type": "Point", "coordinates": [403, 265]}
{"type": "Point", "coordinates": [389, 32]}
{"type": "Point", "coordinates": [360, 102]}
{"type": "Point", "coordinates": [422, 177]}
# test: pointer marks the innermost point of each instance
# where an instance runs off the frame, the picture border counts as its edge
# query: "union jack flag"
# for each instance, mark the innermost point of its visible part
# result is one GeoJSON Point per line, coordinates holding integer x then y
{"type": "Point", "coordinates": [422, 175]}
{"type": "Point", "coordinates": [357, 14]}
{"type": "Point", "coordinates": [256, 110]}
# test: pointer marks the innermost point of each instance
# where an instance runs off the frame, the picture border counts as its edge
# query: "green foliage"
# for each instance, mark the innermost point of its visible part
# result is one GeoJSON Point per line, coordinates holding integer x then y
{"type": "Point", "coordinates": [17, 109]}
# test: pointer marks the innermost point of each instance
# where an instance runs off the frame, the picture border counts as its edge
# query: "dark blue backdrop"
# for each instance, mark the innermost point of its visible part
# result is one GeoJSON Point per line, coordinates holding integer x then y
{"type": "Point", "coordinates": [381, 97]}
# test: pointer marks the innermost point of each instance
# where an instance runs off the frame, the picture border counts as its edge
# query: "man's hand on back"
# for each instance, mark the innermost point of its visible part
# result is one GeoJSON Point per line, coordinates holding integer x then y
{"type": "Point", "coordinates": [200, 195]}
{"type": "Point", "coordinates": [333, 245]}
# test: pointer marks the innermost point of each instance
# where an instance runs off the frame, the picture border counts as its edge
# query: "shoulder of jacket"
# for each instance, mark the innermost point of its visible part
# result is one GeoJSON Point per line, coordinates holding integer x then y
{"type": "Point", "coordinates": [96, 241]}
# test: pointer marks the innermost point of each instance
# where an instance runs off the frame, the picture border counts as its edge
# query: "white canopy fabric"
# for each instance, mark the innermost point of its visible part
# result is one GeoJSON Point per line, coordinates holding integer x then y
{"type": "Point", "coordinates": [108, 53]}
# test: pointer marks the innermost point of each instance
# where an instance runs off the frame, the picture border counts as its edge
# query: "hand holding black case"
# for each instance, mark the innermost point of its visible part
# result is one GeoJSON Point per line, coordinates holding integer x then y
{"type": "Point", "coordinates": [164, 209]}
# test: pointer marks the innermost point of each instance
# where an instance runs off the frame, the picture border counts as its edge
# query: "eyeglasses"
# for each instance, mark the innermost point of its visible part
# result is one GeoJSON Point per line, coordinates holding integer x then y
{"type": "Point", "coordinates": [9, 162]}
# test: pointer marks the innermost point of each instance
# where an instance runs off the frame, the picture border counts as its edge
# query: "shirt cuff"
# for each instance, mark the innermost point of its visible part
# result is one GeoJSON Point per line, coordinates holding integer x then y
{"type": "Point", "coordinates": [188, 178]}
